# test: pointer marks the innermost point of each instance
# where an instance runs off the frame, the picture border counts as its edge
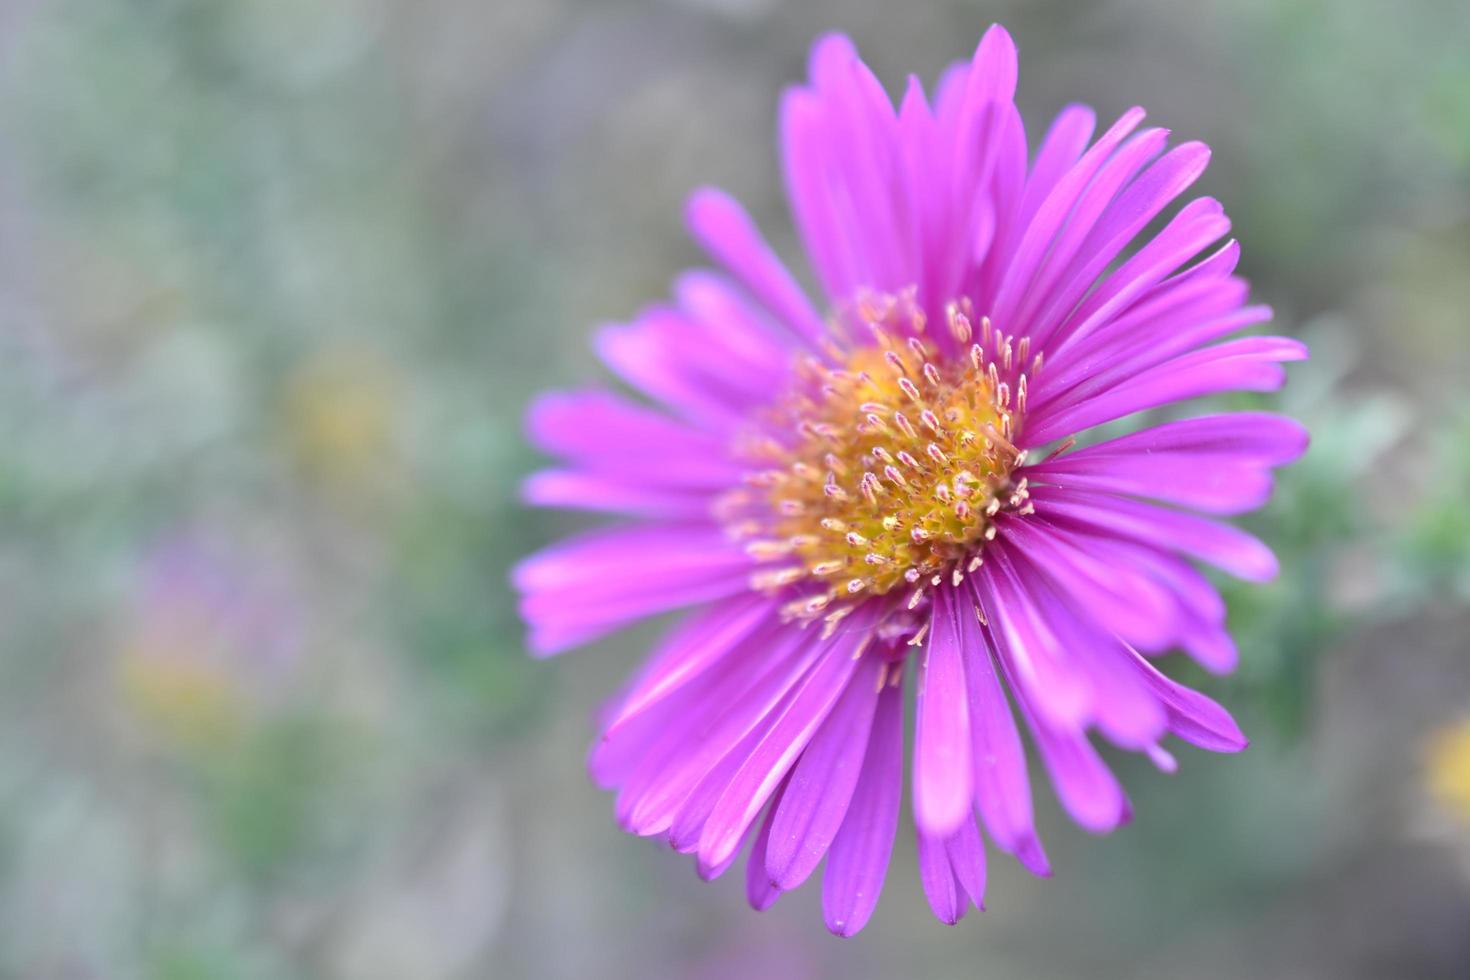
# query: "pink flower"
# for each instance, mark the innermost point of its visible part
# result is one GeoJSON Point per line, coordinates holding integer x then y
{"type": "Point", "coordinates": [891, 495]}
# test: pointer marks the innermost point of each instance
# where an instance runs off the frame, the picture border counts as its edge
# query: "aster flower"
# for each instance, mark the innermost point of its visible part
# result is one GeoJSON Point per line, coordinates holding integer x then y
{"type": "Point", "coordinates": [883, 489]}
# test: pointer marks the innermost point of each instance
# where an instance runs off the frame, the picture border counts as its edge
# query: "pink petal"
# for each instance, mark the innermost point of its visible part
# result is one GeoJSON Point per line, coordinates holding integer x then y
{"type": "Point", "coordinates": [760, 891]}
{"type": "Point", "coordinates": [858, 860]}
{"type": "Point", "coordinates": [823, 781]}
{"type": "Point", "coordinates": [942, 767]}
{"type": "Point", "coordinates": [1221, 545]}
{"type": "Point", "coordinates": [1002, 786]}
{"type": "Point", "coordinates": [768, 763]}
{"type": "Point", "coordinates": [724, 230]}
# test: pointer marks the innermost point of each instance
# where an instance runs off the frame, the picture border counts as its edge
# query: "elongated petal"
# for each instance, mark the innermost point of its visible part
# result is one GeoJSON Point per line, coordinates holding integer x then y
{"type": "Point", "coordinates": [1132, 606]}
{"type": "Point", "coordinates": [760, 890]}
{"type": "Point", "coordinates": [1118, 367]}
{"type": "Point", "coordinates": [1211, 463]}
{"type": "Point", "coordinates": [1249, 364]}
{"type": "Point", "coordinates": [686, 366]}
{"type": "Point", "coordinates": [1049, 218]}
{"type": "Point", "coordinates": [1198, 223]}
{"type": "Point", "coordinates": [751, 786]}
{"type": "Point", "coordinates": [1064, 142]}
{"type": "Point", "coordinates": [1121, 706]}
{"type": "Point", "coordinates": [697, 659]}
{"type": "Point", "coordinates": [595, 582]}
{"type": "Point", "coordinates": [822, 784]}
{"type": "Point", "coordinates": [967, 860]}
{"type": "Point", "coordinates": [1002, 786]}
{"type": "Point", "coordinates": [1033, 656]}
{"type": "Point", "coordinates": [1192, 716]}
{"type": "Point", "coordinates": [858, 860]}
{"type": "Point", "coordinates": [1227, 547]}
{"type": "Point", "coordinates": [1260, 437]}
{"type": "Point", "coordinates": [942, 767]}
{"type": "Point", "coordinates": [940, 887]}
{"type": "Point", "coordinates": [1158, 318]}
{"type": "Point", "coordinates": [737, 714]}
{"type": "Point", "coordinates": [617, 439]}
{"type": "Point", "coordinates": [1080, 260]}
{"type": "Point", "coordinates": [687, 825]}
{"type": "Point", "coordinates": [577, 490]}
{"type": "Point", "coordinates": [952, 871]}
{"type": "Point", "coordinates": [724, 230]}
{"type": "Point", "coordinates": [1088, 790]}
{"type": "Point", "coordinates": [702, 641]}
{"type": "Point", "coordinates": [748, 336]}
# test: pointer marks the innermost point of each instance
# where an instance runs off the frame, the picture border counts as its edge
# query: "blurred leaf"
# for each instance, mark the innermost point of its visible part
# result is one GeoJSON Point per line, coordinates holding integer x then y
{"type": "Point", "coordinates": [268, 798]}
{"type": "Point", "coordinates": [1435, 550]}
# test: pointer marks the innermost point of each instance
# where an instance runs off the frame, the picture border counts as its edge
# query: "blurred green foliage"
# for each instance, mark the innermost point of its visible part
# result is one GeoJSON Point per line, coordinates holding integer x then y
{"type": "Point", "coordinates": [277, 278]}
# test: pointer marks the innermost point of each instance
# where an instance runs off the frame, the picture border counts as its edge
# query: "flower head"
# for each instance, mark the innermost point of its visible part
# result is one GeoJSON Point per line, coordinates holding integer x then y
{"type": "Point", "coordinates": [890, 494]}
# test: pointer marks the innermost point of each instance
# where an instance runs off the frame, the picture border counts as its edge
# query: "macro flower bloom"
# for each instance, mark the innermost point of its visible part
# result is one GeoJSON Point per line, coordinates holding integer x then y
{"type": "Point", "coordinates": [883, 489]}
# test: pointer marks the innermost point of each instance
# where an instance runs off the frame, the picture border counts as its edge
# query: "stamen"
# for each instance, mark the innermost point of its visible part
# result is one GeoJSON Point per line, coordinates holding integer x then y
{"type": "Point", "coordinates": [959, 324]}
{"type": "Point", "coordinates": [768, 550]}
{"type": "Point", "coordinates": [899, 460]}
{"type": "Point", "coordinates": [831, 620]}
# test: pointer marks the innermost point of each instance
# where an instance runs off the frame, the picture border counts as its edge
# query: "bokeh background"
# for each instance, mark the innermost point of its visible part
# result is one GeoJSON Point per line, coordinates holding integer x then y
{"type": "Point", "coordinates": [276, 279]}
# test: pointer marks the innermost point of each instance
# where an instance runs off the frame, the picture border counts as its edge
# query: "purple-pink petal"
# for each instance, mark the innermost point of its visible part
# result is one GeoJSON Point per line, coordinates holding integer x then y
{"type": "Point", "coordinates": [1002, 785]}
{"type": "Point", "coordinates": [746, 702]}
{"type": "Point", "coordinates": [1087, 788]}
{"type": "Point", "coordinates": [1132, 606]}
{"type": "Point", "coordinates": [1125, 216]}
{"type": "Point", "coordinates": [1034, 658]}
{"type": "Point", "coordinates": [751, 786]}
{"type": "Point", "coordinates": [1200, 462]}
{"type": "Point", "coordinates": [1249, 364]}
{"type": "Point", "coordinates": [952, 871]}
{"type": "Point", "coordinates": [857, 862]}
{"type": "Point", "coordinates": [942, 767]}
{"type": "Point", "coordinates": [581, 490]}
{"type": "Point", "coordinates": [598, 581]}
{"type": "Point", "coordinates": [618, 439]}
{"type": "Point", "coordinates": [1121, 706]}
{"type": "Point", "coordinates": [1222, 545]}
{"type": "Point", "coordinates": [676, 361]}
{"type": "Point", "coordinates": [1192, 716]}
{"type": "Point", "coordinates": [760, 891]}
{"type": "Point", "coordinates": [1197, 224]}
{"type": "Point", "coordinates": [822, 783]}
{"type": "Point", "coordinates": [699, 643]}
{"type": "Point", "coordinates": [724, 230]}
{"type": "Point", "coordinates": [1060, 204]}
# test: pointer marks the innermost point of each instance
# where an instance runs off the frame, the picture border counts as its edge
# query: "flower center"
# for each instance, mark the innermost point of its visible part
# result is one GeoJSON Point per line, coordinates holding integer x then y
{"type": "Point", "coordinates": [898, 455]}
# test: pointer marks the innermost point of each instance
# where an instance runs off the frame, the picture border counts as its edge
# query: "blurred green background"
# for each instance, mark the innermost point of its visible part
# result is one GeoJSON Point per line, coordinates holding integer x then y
{"type": "Point", "coordinates": [276, 278]}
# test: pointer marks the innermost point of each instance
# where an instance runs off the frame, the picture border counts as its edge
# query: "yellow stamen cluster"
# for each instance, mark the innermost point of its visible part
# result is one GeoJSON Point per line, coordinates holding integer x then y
{"type": "Point", "coordinates": [900, 459]}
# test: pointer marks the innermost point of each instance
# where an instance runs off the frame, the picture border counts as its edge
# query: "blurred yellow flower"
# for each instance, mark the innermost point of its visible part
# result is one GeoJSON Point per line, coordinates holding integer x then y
{"type": "Point", "coordinates": [340, 413]}
{"type": "Point", "coordinates": [185, 700]}
{"type": "Point", "coordinates": [1447, 768]}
